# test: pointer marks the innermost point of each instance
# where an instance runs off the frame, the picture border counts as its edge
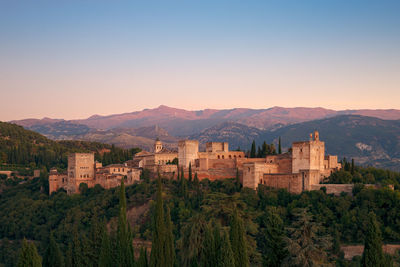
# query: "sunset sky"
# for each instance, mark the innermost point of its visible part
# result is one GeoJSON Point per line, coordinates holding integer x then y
{"type": "Point", "coordinates": [73, 59]}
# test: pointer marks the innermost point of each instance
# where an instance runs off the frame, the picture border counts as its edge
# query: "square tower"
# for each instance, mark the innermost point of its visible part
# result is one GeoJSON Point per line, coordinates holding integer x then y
{"type": "Point", "coordinates": [81, 166]}
{"type": "Point", "coordinates": [188, 152]}
{"type": "Point", "coordinates": [308, 155]}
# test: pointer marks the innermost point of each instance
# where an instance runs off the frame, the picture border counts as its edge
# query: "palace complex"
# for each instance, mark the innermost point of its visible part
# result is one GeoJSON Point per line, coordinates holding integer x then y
{"type": "Point", "coordinates": [298, 170]}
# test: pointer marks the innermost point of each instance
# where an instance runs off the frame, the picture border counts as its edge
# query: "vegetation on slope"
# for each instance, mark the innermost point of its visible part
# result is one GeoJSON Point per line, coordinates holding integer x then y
{"type": "Point", "coordinates": [196, 210]}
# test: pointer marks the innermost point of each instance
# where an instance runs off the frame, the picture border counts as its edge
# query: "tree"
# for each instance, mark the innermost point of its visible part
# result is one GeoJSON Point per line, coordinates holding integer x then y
{"type": "Point", "coordinates": [169, 247]}
{"type": "Point", "coordinates": [142, 261]}
{"type": "Point", "coordinates": [279, 146]}
{"type": "Point", "coordinates": [29, 255]}
{"type": "Point", "coordinates": [125, 256]}
{"type": "Point", "coordinates": [305, 247]}
{"type": "Point", "coordinates": [190, 172]}
{"type": "Point", "coordinates": [158, 257]}
{"type": "Point", "coordinates": [253, 149]}
{"type": "Point", "coordinates": [373, 253]}
{"type": "Point", "coordinates": [105, 257]}
{"type": "Point", "coordinates": [271, 240]}
{"type": "Point", "coordinates": [208, 249]}
{"type": "Point", "coordinates": [227, 258]}
{"type": "Point", "coordinates": [53, 256]}
{"type": "Point", "coordinates": [238, 243]}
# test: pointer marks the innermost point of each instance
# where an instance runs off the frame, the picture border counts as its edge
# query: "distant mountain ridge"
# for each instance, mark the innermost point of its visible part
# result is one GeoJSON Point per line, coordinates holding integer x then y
{"type": "Point", "coordinates": [181, 122]}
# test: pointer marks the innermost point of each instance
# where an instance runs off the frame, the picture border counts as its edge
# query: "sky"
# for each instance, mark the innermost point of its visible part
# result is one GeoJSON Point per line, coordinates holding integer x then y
{"type": "Point", "coordinates": [73, 59]}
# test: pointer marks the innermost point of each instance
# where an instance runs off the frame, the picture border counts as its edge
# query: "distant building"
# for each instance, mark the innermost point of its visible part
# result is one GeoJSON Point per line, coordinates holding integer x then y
{"type": "Point", "coordinates": [83, 169]}
{"type": "Point", "coordinates": [297, 171]}
{"type": "Point", "coordinates": [306, 165]}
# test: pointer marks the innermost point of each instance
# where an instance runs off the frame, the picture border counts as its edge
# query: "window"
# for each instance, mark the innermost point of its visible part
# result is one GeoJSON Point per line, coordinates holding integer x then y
{"type": "Point", "coordinates": [230, 156]}
{"type": "Point", "coordinates": [218, 157]}
{"type": "Point", "coordinates": [223, 157]}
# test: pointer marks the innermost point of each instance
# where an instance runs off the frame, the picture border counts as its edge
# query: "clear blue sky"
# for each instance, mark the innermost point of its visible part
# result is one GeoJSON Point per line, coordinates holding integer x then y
{"type": "Point", "coordinates": [73, 59]}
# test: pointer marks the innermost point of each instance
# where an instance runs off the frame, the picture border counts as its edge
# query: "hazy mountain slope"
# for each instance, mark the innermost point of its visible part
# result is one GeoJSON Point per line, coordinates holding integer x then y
{"type": "Point", "coordinates": [368, 140]}
{"type": "Point", "coordinates": [238, 135]}
{"type": "Point", "coordinates": [180, 122]}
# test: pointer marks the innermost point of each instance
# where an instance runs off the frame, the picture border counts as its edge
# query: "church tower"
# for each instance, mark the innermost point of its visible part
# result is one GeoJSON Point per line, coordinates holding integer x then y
{"type": "Point", "coordinates": [158, 146]}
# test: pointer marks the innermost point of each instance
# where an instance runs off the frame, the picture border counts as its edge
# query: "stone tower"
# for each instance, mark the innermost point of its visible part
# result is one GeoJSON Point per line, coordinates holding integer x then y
{"type": "Point", "coordinates": [188, 152]}
{"type": "Point", "coordinates": [158, 146]}
{"type": "Point", "coordinates": [308, 155]}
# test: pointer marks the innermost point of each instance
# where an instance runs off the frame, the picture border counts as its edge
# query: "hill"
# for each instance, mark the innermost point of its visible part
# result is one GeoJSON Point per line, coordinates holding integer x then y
{"type": "Point", "coordinates": [21, 147]}
{"type": "Point", "coordinates": [181, 122]}
{"type": "Point", "coordinates": [368, 140]}
{"type": "Point", "coordinates": [238, 135]}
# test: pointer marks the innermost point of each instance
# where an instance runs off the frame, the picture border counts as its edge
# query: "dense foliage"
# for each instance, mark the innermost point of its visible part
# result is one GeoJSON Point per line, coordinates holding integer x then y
{"type": "Point", "coordinates": [202, 214]}
{"type": "Point", "coordinates": [21, 149]}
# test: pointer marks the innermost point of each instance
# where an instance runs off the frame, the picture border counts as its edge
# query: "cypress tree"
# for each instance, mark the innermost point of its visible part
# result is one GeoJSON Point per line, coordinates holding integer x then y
{"type": "Point", "coordinates": [169, 241]}
{"type": "Point", "coordinates": [227, 258]}
{"type": "Point", "coordinates": [217, 245]}
{"type": "Point", "coordinates": [373, 253]}
{"type": "Point", "coordinates": [352, 166]}
{"type": "Point", "coordinates": [53, 256]}
{"type": "Point", "coordinates": [190, 172]}
{"type": "Point", "coordinates": [95, 242]}
{"type": "Point", "coordinates": [29, 255]}
{"type": "Point", "coordinates": [105, 257]}
{"type": "Point", "coordinates": [279, 146]}
{"type": "Point", "coordinates": [253, 149]}
{"type": "Point", "coordinates": [237, 181]}
{"type": "Point", "coordinates": [142, 262]}
{"type": "Point", "coordinates": [238, 243]}
{"type": "Point", "coordinates": [208, 249]}
{"type": "Point", "coordinates": [272, 242]}
{"type": "Point", "coordinates": [157, 252]}
{"type": "Point", "coordinates": [124, 236]}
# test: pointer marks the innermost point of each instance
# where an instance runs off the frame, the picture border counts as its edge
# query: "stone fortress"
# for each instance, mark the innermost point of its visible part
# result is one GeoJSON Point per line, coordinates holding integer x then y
{"type": "Point", "coordinates": [301, 169]}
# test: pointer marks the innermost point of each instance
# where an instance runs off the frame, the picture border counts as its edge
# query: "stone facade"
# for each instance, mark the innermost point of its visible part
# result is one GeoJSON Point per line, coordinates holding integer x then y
{"type": "Point", "coordinates": [306, 165]}
{"type": "Point", "coordinates": [83, 169]}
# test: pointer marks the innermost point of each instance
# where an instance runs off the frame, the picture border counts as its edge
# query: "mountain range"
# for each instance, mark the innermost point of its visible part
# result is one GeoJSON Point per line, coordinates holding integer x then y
{"type": "Point", "coordinates": [370, 136]}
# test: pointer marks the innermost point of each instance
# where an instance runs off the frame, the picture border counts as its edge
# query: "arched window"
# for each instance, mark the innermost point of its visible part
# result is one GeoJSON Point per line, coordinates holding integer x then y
{"type": "Point", "coordinates": [218, 157]}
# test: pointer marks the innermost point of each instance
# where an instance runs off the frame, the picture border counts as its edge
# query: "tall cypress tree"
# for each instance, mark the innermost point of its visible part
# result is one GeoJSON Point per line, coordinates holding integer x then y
{"type": "Point", "coordinates": [253, 149]}
{"type": "Point", "coordinates": [279, 146]}
{"type": "Point", "coordinates": [124, 236]}
{"type": "Point", "coordinates": [53, 256]}
{"type": "Point", "coordinates": [190, 172]}
{"type": "Point", "coordinates": [29, 255]}
{"type": "Point", "coordinates": [169, 247]}
{"type": "Point", "coordinates": [157, 251]}
{"type": "Point", "coordinates": [271, 241]}
{"type": "Point", "coordinates": [217, 245]}
{"type": "Point", "coordinates": [208, 249]}
{"type": "Point", "coordinates": [373, 253]}
{"type": "Point", "coordinates": [142, 262]}
{"type": "Point", "coordinates": [105, 257]}
{"type": "Point", "coordinates": [227, 258]}
{"type": "Point", "coordinates": [237, 235]}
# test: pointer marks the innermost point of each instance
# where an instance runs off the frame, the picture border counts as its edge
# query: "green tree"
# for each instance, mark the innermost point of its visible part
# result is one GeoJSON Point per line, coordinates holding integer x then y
{"type": "Point", "coordinates": [238, 243]}
{"type": "Point", "coordinates": [253, 149]}
{"type": "Point", "coordinates": [305, 246]}
{"type": "Point", "coordinates": [157, 257]}
{"type": "Point", "coordinates": [226, 257]}
{"type": "Point", "coordinates": [190, 172]}
{"type": "Point", "coordinates": [105, 257]}
{"type": "Point", "coordinates": [29, 256]}
{"type": "Point", "coordinates": [208, 249]}
{"type": "Point", "coordinates": [271, 240]}
{"type": "Point", "coordinates": [169, 247]}
{"type": "Point", "coordinates": [142, 261]}
{"type": "Point", "coordinates": [373, 253]}
{"type": "Point", "coordinates": [52, 256]}
{"type": "Point", "coordinates": [125, 256]}
{"type": "Point", "coordinates": [279, 146]}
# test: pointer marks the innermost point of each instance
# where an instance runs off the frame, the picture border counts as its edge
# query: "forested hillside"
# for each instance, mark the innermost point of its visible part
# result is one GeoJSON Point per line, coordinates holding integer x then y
{"type": "Point", "coordinates": [25, 148]}
{"type": "Point", "coordinates": [202, 214]}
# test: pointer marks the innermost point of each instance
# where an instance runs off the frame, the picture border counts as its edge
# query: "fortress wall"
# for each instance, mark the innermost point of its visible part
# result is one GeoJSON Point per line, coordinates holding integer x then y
{"type": "Point", "coordinates": [335, 189]}
{"type": "Point", "coordinates": [292, 182]}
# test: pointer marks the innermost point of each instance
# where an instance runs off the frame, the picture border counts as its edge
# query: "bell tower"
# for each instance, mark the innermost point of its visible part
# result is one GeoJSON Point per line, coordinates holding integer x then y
{"type": "Point", "coordinates": [158, 146]}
